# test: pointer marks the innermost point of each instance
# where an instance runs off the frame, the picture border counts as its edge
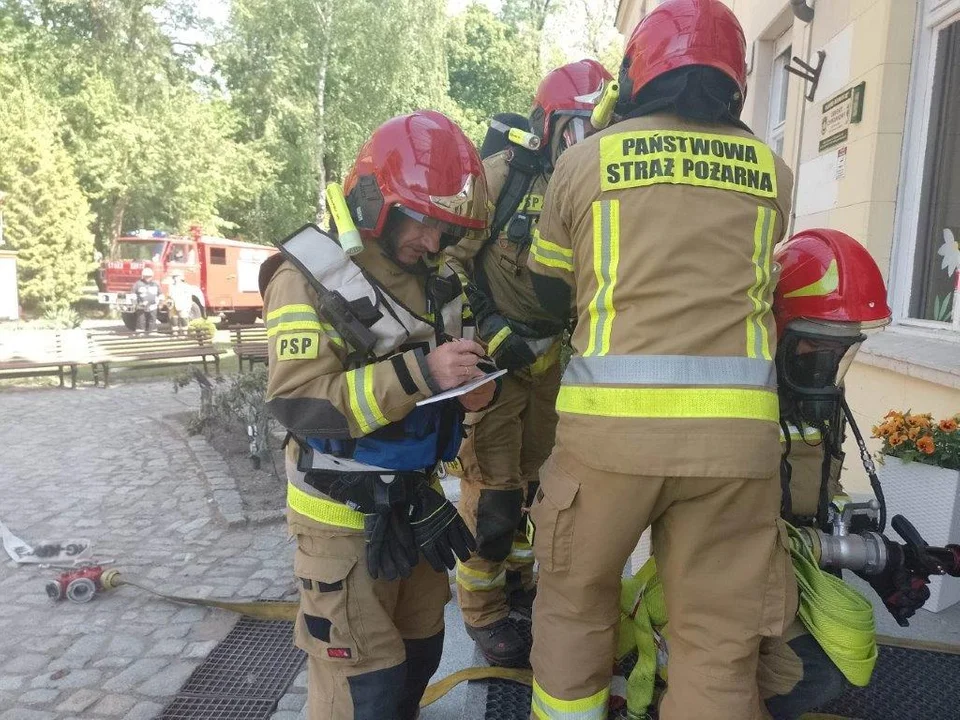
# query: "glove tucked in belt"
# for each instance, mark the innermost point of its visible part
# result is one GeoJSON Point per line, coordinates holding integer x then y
{"type": "Point", "coordinates": [384, 500]}
{"type": "Point", "coordinates": [403, 516]}
{"type": "Point", "coordinates": [438, 529]}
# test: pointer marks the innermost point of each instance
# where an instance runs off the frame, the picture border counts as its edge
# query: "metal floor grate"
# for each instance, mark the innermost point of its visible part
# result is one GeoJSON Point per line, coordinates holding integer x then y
{"type": "Point", "coordinates": [906, 685]}
{"type": "Point", "coordinates": [256, 660]}
{"type": "Point", "coordinates": [217, 708]}
{"type": "Point", "coordinates": [244, 676]}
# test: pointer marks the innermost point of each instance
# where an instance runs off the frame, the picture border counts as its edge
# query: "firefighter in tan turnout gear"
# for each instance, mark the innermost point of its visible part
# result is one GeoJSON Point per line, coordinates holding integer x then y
{"type": "Point", "coordinates": [355, 342]}
{"type": "Point", "coordinates": [664, 225]}
{"type": "Point", "coordinates": [508, 442]}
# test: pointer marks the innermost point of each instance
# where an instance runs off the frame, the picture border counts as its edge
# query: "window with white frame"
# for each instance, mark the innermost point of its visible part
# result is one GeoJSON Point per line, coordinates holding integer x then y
{"type": "Point", "coordinates": [927, 286]}
{"type": "Point", "coordinates": [777, 115]}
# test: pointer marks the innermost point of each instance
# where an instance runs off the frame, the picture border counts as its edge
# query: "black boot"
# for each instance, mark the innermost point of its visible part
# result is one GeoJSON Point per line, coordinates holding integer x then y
{"type": "Point", "coordinates": [501, 644]}
{"type": "Point", "coordinates": [519, 598]}
{"type": "Point", "coordinates": [521, 601]}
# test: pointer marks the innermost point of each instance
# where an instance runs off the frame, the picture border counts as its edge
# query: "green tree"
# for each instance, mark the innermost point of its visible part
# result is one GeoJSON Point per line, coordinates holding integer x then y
{"type": "Point", "coordinates": [46, 216]}
{"type": "Point", "coordinates": [493, 67]}
{"type": "Point", "coordinates": [151, 138]}
{"type": "Point", "coordinates": [530, 13]}
{"type": "Point", "coordinates": [313, 78]}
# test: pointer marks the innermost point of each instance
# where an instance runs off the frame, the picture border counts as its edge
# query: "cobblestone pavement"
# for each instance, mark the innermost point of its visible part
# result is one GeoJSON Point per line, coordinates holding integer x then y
{"type": "Point", "coordinates": [107, 466]}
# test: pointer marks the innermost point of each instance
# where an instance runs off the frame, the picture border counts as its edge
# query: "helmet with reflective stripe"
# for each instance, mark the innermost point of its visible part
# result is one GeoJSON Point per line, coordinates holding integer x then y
{"type": "Point", "coordinates": [684, 33]}
{"type": "Point", "coordinates": [572, 89]}
{"type": "Point", "coordinates": [828, 278]}
{"type": "Point", "coordinates": [424, 165]}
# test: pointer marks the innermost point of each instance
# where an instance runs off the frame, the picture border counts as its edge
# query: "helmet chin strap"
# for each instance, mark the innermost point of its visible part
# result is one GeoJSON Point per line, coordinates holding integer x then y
{"type": "Point", "coordinates": [388, 246]}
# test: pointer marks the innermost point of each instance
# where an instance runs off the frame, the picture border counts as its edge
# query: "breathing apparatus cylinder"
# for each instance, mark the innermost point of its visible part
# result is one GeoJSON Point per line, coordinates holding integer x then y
{"type": "Point", "coordinates": [349, 236]}
{"type": "Point", "coordinates": [603, 110]}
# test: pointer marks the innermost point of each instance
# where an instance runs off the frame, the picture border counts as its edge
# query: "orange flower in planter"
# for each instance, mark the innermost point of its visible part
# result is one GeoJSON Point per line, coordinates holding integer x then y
{"type": "Point", "coordinates": [925, 445]}
{"type": "Point", "coordinates": [948, 425]}
{"type": "Point", "coordinates": [896, 439]}
{"type": "Point", "coordinates": [924, 421]}
{"type": "Point", "coordinates": [885, 430]}
{"type": "Point", "coordinates": [914, 432]}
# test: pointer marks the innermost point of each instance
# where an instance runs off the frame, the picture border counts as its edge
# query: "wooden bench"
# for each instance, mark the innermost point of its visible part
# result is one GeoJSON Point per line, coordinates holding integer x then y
{"type": "Point", "coordinates": [43, 353]}
{"type": "Point", "coordinates": [249, 343]}
{"type": "Point", "coordinates": [136, 351]}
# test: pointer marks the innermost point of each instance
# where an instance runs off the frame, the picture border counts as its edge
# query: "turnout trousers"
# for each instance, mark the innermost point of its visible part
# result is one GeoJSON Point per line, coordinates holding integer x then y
{"type": "Point", "coordinates": [727, 576]}
{"type": "Point", "coordinates": [501, 457]}
{"type": "Point", "coordinates": [372, 645]}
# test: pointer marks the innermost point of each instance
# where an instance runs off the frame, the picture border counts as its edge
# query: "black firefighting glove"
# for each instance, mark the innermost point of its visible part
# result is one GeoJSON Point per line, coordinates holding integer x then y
{"type": "Point", "coordinates": [384, 501]}
{"type": "Point", "coordinates": [439, 530]}
{"type": "Point", "coordinates": [508, 350]}
{"type": "Point", "coordinates": [902, 585]}
{"type": "Point", "coordinates": [391, 546]}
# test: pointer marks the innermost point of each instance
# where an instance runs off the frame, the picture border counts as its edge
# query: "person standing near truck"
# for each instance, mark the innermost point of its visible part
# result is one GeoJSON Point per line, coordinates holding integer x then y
{"type": "Point", "coordinates": [181, 302]}
{"type": "Point", "coordinates": [148, 294]}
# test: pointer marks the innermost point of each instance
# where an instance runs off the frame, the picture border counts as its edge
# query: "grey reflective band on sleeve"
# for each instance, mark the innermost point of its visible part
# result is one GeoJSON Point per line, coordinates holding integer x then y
{"type": "Point", "coordinates": [661, 370]}
{"type": "Point", "coordinates": [425, 371]}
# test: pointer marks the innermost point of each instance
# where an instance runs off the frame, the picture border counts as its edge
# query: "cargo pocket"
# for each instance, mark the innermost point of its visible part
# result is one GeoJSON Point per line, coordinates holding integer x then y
{"type": "Point", "coordinates": [324, 627]}
{"type": "Point", "coordinates": [551, 520]}
{"type": "Point", "coordinates": [780, 599]}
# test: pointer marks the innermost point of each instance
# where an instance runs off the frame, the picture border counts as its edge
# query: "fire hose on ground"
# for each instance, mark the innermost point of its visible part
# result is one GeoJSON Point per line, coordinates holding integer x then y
{"type": "Point", "coordinates": [866, 552]}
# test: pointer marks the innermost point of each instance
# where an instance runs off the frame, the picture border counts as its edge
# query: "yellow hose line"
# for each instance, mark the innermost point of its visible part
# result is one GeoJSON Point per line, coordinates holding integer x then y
{"type": "Point", "coordinates": [270, 610]}
{"type": "Point", "coordinates": [839, 617]}
{"type": "Point", "coordinates": [440, 688]}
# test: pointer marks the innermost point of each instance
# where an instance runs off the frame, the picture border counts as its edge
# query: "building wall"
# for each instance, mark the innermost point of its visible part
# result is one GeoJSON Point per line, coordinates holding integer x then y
{"type": "Point", "coordinates": [870, 41]}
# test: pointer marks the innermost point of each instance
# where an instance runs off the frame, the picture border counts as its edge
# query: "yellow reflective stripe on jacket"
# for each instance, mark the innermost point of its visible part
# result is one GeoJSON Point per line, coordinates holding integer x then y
{"type": "Point", "coordinates": [758, 338]}
{"type": "Point", "coordinates": [299, 317]}
{"type": "Point", "coordinates": [639, 402]}
{"type": "Point", "coordinates": [550, 254]}
{"type": "Point", "coordinates": [323, 510]}
{"type": "Point", "coordinates": [363, 403]}
{"type": "Point", "coordinates": [277, 315]}
{"type": "Point", "coordinates": [546, 707]}
{"type": "Point", "coordinates": [652, 157]}
{"type": "Point", "coordinates": [477, 581]}
{"type": "Point", "coordinates": [606, 259]}
{"type": "Point", "coordinates": [498, 339]}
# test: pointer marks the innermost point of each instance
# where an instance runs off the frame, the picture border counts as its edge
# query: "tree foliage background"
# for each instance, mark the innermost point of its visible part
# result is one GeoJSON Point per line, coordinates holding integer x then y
{"type": "Point", "coordinates": [122, 114]}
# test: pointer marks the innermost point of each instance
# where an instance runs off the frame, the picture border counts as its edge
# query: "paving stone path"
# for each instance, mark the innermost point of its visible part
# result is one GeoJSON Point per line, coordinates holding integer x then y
{"type": "Point", "coordinates": [107, 465]}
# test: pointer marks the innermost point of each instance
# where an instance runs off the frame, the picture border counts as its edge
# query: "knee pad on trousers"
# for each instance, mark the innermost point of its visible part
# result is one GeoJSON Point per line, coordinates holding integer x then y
{"type": "Point", "coordinates": [498, 516]}
{"type": "Point", "coordinates": [377, 695]}
{"type": "Point", "coordinates": [423, 659]}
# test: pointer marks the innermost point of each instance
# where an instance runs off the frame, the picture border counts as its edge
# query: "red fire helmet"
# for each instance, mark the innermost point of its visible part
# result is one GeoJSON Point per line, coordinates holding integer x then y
{"type": "Point", "coordinates": [571, 89]}
{"type": "Point", "coordinates": [423, 164]}
{"type": "Point", "coordinates": [828, 277]}
{"type": "Point", "coordinates": [680, 33]}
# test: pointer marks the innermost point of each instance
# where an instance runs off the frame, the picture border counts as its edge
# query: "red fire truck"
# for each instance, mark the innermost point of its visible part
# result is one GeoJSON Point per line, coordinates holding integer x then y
{"type": "Point", "coordinates": [221, 273]}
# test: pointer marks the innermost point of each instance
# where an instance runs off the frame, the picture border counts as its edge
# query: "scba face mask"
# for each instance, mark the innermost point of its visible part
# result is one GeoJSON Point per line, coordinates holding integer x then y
{"type": "Point", "coordinates": [575, 130]}
{"type": "Point", "coordinates": [811, 365]}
